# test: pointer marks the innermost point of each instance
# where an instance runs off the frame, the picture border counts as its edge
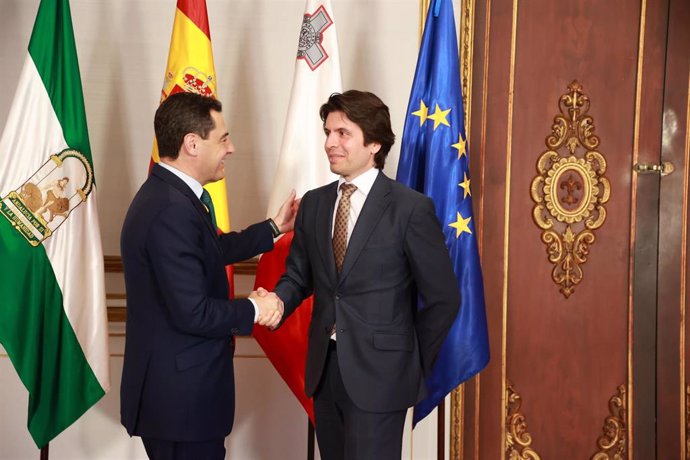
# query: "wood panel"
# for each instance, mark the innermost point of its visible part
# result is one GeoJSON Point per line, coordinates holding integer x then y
{"type": "Point", "coordinates": [490, 112]}
{"type": "Point", "coordinates": [643, 432]}
{"type": "Point", "coordinates": [567, 358]}
{"type": "Point", "coordinates": [672, 348]}
{"type": "Point", "coordinates": [579, 342]}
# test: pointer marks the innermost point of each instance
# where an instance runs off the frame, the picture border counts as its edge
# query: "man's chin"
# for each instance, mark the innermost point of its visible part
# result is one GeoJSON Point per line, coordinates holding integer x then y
{"type": "Point", "coordinates": [216, 179]}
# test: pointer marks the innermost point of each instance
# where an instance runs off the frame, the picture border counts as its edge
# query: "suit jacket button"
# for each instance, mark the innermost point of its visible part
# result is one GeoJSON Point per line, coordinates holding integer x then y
{"type": "Point", "coordinates": [337, 297]}
{"type": "Point", "coordinates": [341, 331]}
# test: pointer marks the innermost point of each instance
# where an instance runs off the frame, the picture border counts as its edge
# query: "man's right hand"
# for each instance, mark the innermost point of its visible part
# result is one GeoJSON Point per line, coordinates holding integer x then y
{"type": "Point", "coordinates": [270, 307]}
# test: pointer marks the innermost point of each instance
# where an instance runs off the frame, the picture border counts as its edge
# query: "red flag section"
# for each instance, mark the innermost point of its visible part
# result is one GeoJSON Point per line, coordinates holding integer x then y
{"type": "Point", "coordinates": [286, 347]}
{"type": "Point", "coordinates": [196, 12]}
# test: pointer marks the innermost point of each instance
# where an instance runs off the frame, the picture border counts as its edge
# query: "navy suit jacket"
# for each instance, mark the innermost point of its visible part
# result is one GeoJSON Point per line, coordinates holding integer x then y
{"type": "Point", "coordinates": [177, 379]}
{"type": "Point", "coordinates": [396, 251]}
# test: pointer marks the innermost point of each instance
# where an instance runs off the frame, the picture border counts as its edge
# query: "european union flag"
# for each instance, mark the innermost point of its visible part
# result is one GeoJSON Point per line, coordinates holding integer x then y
{"type": "Point", "coordinates": [434, 160]}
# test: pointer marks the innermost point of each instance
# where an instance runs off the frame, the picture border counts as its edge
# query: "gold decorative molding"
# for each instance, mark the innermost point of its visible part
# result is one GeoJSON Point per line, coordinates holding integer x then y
{"type": "Point", "coordinates": [518, 440]}
{"type": "Point", "coordinates": [423, 9]}
{"type": "Point", "coordinates": [687, 422]}
{"type": "Point", "coordinates": [466, 58]}
{"type": "Point", "coordinates": [570, 190]}
{"type": "Point", "coordinates": [457, 397]}
{"type": "Point", "coordinates": [613, 443]}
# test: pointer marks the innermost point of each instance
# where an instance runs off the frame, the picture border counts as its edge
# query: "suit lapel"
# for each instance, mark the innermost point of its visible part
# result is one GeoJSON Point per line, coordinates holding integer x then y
{"type": "Point", "coordinates": [324, 222]}
{"type": "Point", "coordinates": [177, 183]}
{"type": "Point", "coordinates": [376, 203]}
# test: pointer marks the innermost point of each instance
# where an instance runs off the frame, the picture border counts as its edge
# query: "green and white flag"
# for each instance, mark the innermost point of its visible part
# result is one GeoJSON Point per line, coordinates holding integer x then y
{"type": "Point", "coordinates": [52, 297]}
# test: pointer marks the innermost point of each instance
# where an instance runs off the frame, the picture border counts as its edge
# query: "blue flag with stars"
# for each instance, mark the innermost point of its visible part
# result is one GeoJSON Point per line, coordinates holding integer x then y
{"type": "Point", "coordinates": [434, 160]}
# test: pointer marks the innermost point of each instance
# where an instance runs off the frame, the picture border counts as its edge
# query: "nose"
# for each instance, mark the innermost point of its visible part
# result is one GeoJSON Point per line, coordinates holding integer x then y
{"type": "Point", "coordinates": [331, 141]}
{"type": "Point", "coordinates": [230, 148]}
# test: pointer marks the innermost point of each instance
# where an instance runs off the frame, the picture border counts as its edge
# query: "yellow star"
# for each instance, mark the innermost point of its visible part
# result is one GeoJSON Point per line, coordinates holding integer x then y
{"type": "Point", "coordinates": [465, 184]}
{"type": "Point", "coordinates": [461, 225]}
{"type": "Point", "coordinates": [461, 146]}
{"type": "Point", "coordinates": [439, 117]}
{"type": "Point", "coordinates": [421, 113]}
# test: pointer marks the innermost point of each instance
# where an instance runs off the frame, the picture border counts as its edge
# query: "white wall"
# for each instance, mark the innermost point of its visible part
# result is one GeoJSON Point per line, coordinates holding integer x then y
{"type": "Point", "coordinates": [123, 48]}
{"type": "Point", "coordinates": [269, 422]}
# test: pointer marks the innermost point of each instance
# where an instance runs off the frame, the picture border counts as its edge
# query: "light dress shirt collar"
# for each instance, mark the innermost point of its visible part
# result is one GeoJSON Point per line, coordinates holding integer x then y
{"type": "Point", "coordinates": [364, 182]}
{"type": "Point", "coordinates": [192, 183]}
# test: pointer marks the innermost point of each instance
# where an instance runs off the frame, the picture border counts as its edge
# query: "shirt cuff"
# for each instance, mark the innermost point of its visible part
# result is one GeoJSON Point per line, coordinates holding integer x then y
{"type": "Point", "coordinates": [256, 310]}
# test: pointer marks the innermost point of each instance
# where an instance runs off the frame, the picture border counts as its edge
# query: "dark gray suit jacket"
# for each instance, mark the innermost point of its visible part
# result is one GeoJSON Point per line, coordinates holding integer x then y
{"type": "Point", "coordinates": [396, 251]}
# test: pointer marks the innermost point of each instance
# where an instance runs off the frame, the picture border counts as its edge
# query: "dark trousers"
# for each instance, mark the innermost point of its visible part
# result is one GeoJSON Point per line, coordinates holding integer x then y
{"type": "Point", "coordinates": [158, 449]}
{"type": "Point", "coordinates": [346, 432]}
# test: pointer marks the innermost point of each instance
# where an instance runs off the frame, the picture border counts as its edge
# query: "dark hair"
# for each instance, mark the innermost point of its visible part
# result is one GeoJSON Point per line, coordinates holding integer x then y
{"type": "Point", "coordinates": [368, 112]}
{"type": "Point", "coordinates": [181, 114]}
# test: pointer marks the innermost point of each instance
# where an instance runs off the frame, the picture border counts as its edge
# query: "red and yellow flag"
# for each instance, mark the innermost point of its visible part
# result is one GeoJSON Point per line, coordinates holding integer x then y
{"type": "Point", "coordinates": [190, 68]}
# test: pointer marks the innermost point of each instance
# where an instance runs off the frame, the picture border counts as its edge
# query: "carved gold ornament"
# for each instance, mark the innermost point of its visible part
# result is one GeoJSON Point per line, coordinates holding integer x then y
{"type": "Point", "coordinates": [518, 440]}
{"type": "Point", "coordinates": [613, 443]}
{"type": "Point", "coordinates": [570, 191]}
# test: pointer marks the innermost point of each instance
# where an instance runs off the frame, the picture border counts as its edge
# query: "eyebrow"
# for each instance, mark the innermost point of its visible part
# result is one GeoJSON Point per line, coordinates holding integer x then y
{"type": "Point", "coordinates": [342, 128]}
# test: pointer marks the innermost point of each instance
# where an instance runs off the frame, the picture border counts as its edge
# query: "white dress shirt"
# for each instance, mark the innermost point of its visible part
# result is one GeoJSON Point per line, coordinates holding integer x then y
{"type": "Point", "coordinates": [363, 182]}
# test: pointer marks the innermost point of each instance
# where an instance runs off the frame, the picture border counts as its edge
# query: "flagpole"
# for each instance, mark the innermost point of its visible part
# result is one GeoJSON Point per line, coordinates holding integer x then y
{"type": "Point", "coordinates": [441, 431]}
{"type": "Point", "coordinates": [441, 420]}
{"type": "Point", "coordinates": [44, 452]}
{"type": "Point", "coordinates": [310, 440]}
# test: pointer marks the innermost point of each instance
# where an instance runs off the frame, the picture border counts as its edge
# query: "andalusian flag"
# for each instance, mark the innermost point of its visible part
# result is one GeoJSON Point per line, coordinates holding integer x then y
{"type": "Point", "coordinates": [191, 69]}
{"type": "Point", "coordinates": [52, 313]}
{"type": "Point", "coordinates": [303, 165]}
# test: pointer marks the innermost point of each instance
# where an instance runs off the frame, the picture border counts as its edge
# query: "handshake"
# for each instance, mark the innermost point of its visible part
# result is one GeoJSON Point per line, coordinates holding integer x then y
{"type": "Point", "coordinates": [270, 307]}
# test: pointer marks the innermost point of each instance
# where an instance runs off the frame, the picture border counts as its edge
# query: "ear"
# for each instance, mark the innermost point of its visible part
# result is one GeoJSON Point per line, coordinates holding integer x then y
{"type": "Point", "coordinates": [189, 144]}
{"type": "Point", "coordinates": [375, 147]}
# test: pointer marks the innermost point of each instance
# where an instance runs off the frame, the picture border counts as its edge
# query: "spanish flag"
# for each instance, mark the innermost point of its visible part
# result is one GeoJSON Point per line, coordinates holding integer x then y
{"type": "Point", "coordinates": [190, 68]}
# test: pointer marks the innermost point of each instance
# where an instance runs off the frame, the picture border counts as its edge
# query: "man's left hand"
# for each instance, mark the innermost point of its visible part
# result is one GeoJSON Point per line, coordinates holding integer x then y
{"type": "Point", "coordinates": [285, 219]}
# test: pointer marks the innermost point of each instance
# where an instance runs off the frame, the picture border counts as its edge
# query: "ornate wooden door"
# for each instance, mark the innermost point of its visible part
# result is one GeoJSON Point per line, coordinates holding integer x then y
{"type": "Point", "coordinates": [578, 111]}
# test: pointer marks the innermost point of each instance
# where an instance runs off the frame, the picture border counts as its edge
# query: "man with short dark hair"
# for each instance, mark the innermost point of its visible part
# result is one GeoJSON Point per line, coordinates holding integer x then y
{"type": "Point", "coordinates": [367, 247]}
{"type": "Point", "coordinates": [177, 381]}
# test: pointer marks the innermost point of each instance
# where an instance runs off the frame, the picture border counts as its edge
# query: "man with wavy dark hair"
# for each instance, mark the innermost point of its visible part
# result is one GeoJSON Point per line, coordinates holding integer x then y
{"type": "Point", "coordinates": [367, 247]}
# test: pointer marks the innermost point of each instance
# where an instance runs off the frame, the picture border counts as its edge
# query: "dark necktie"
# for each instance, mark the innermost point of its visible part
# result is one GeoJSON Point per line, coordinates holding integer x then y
{"type": "Point", "coordinates": [340, 226]}
{"type": "Point", "coordinates": [208, 202]}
